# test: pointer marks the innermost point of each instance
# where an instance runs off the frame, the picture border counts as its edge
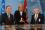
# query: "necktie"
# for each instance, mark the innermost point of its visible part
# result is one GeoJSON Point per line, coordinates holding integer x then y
{"type": "Point", "coordinates": [8, 16]}
{"type": "Point", "coordinates": [36, 16]}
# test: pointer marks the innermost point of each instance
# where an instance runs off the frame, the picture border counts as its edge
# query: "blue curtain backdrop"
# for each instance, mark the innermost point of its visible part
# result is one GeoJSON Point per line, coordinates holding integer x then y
{"type": "Point", "coordinates": [0, 6]}
{"type": "Point", "coordinates": [14, 3]}
{"type": "Point", "coordinates": [42, 2]}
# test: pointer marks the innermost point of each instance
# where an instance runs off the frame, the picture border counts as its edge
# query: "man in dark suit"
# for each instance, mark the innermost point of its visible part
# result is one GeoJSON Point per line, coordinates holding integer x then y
{"type": "Point", "coordinates": [7, 17]}
{"type": "Point", "coordinates": [37, 18]}
{"type": "Point", "coordinates": [20, 15]}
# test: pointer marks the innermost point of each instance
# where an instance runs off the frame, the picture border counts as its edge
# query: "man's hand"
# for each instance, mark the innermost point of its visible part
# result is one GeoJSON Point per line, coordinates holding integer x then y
{"type": "Point", "coordinates": [21, 21]}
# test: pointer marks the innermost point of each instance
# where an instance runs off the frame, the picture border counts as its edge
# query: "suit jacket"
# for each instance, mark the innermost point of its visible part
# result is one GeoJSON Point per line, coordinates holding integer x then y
{"type": "Point", "coordinates": [40, 19]}
{"type": "Point", "coordinates": [17, 17]}
{"type": "Point", "coordinates": [0, 18]}
{"type": "Point", "coordinates": [6, 20]}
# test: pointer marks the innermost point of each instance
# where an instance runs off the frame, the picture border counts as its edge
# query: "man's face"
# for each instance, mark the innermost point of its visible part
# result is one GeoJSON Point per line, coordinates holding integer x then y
{"type": "Point", "coordinates": [8, 10]}
{"type": "Point", "coordinates": [20, 7]}
{"type": "Point", "coordinates": [36, 11]}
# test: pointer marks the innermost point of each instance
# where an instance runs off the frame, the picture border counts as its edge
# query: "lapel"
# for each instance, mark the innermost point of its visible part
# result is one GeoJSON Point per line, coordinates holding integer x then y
{"type": "Point", "coordinates": [34, 17]}
{"type": "Point", "coordinates": [38, 18]}
{"type": "Point", "coordinates": [22, 13]}
{"type": "Point", "coordinates": [7, 16]}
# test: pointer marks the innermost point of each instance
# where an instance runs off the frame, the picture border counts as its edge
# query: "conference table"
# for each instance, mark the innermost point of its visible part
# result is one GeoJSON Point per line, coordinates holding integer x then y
{"type": "Point", "coordinates": [36, 26]}
{"type": "Point", "coordinates": [22, 27]}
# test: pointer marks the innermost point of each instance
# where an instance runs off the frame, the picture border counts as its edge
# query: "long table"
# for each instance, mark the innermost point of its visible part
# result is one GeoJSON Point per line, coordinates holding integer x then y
{"type": "Point", "coordinates": [25, 27]}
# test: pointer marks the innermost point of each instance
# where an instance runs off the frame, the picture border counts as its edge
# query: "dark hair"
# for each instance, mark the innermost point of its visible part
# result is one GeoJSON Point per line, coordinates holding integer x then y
{"type": "Point", "coordinates": [8, 6]}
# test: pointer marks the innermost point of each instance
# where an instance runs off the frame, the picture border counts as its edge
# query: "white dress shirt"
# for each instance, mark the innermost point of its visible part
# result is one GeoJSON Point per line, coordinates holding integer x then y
{"type": "Point", "coordinates": [8, 15]}
{"type": "Point", "coordinates": [36, 16]}
{"type": "Point", "coordinates": [21, 13]}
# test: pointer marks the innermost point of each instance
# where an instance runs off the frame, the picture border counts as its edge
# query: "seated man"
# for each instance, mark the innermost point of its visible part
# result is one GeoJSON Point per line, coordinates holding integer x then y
{"type": "Point", "coordinates": [20, 15]}
{"type": "Point", "coordinates": [37, 18]}
{"type": "Point", "coordinates": [7, 17]}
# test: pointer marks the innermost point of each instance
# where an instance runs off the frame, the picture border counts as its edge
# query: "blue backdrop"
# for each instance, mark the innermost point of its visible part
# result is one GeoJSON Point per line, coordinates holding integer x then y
{"type": "Point", "coordinates": [14, 3]}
